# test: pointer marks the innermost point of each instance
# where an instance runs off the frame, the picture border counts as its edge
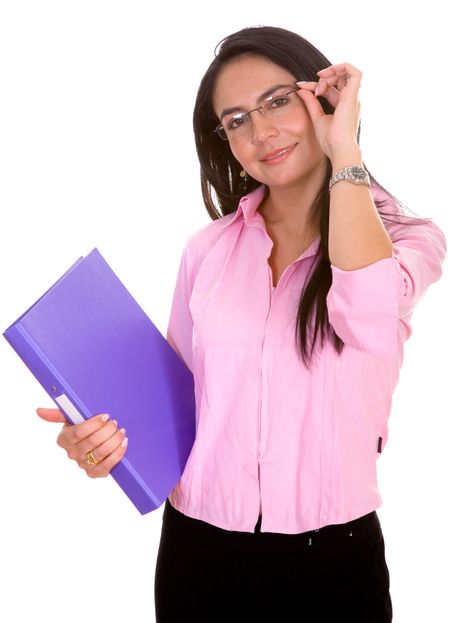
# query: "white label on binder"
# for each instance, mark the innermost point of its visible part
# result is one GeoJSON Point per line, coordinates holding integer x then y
{"type": "Point", "coordinates": [69, 408]}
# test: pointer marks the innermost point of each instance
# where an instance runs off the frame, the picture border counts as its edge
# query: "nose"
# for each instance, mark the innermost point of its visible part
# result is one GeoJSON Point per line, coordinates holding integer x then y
{"type": "Point", "coordinates": [261, 127]}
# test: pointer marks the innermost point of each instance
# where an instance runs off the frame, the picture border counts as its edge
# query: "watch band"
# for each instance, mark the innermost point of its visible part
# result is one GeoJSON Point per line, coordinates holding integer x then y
{"type": "Point", "coordinates": [353, 173]}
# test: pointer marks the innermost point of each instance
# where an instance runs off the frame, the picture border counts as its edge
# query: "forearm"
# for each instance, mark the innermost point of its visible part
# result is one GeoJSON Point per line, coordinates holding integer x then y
{"type": "Point", "coordinates": [357, 236]}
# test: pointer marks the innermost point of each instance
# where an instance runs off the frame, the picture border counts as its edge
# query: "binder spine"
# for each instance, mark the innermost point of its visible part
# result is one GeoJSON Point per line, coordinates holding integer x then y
{"type": "Point", "coordinates": [134, 487]}
{"type": "Point", "coordinates": [69, 403]}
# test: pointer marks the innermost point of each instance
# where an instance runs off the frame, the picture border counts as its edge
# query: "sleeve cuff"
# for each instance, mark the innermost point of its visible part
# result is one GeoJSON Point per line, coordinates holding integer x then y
{"type": "Point", "coordinates": [363, 306]}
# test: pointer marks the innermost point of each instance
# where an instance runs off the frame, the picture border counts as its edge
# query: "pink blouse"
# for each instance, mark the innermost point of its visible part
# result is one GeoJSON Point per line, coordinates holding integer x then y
{"type": "Point", "coordinates": [298, 446]}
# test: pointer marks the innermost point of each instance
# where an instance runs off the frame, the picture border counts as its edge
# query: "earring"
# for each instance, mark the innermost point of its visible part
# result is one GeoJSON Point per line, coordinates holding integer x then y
{"type": "Point", "coordinates": [243, 173]}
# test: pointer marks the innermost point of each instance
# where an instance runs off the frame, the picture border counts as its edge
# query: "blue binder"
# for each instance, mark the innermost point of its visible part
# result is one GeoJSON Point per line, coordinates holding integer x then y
{"type": "Point", "coordinates": [94, 350]}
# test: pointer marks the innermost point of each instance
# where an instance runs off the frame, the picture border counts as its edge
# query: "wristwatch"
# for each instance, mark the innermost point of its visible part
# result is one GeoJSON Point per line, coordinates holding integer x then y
{"type": "Point", "coordinates": [354, 173]}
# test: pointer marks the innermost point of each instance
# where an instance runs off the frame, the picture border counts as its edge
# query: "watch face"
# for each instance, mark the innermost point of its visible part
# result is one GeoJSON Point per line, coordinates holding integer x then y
{"type": "Point", "coordinates": [358, 173]}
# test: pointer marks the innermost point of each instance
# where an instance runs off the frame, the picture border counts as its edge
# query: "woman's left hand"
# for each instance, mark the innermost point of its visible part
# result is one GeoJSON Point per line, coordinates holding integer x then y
{"type": "Point", "coordinates": [339, 84]}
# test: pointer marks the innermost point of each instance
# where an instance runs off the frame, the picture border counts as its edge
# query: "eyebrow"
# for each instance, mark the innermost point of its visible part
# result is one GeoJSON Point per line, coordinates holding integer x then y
{"type": "Point", "coordinates": [228, 111]}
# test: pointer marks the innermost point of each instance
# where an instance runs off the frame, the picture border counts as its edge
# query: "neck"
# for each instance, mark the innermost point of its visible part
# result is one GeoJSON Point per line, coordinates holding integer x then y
{"type": "Point", "coordinates": [291, 207]}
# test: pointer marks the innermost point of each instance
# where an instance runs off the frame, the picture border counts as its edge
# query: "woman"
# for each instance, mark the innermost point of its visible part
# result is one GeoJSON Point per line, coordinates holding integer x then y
{"type": "Point", "coordinates": [274, 517]}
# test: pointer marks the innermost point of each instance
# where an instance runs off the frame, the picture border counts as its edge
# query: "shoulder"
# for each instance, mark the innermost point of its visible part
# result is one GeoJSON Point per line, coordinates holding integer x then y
{"type": "Point", "coordinates": [200, 242]}
{"type": "Point", "coordinates": [222, 230]}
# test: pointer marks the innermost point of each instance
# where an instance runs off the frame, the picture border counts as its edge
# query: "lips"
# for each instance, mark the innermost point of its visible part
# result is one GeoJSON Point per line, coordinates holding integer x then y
{"type": "Point", "coordinates": [277, 152]}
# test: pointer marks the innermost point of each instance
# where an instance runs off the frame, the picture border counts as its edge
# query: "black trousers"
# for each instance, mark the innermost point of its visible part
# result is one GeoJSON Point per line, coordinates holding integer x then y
{"type": "Point", "coordinates": [335, 574]}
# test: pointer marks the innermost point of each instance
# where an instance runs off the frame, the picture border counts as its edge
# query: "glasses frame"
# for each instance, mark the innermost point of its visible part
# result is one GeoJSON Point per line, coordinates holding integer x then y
{"type": "Point", "coordinates": [220, 130]}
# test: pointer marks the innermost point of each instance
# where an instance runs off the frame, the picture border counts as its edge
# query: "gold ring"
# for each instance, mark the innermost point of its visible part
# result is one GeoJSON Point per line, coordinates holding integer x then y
{"type": "Point", "coordinates": [90, 458]}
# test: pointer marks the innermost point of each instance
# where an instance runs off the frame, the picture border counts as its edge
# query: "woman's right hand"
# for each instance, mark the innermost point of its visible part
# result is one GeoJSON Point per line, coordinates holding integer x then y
{"type": "Point", "coordinates": [98, 434]}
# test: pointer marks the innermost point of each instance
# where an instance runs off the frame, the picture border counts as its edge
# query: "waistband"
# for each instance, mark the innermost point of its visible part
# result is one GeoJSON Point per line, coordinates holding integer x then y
{"type": "Point", "coordinates": [361, 528]}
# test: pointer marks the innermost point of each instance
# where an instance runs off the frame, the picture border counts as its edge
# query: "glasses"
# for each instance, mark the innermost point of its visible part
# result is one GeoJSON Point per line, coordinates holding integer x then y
{"type": "Point", "coordinates": [277, 106]}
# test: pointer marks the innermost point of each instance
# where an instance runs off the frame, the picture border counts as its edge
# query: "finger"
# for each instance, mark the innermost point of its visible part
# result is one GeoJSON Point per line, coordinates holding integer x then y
{"type": "Point", "coordinates": [72, 435]}
{"type": "Point", "coordinates": [103, 442]}
{"type": "Point", "coordinates": [342, 75]}
{"type": "Point", "coordinates": [335, 83]}
{"type": "Point", "coordinates": [51, 415]}
{"type": "Point", "coordinates": [307, 84]}
{"type": "Point", "coordinates": [324, 89]}
{"type": "Point", "coordinates": [312, 104]}
{"type": "Point", "coordinates": [109, 446]}
{"type": "Point", "coordinates": [340, 69]}
{"type": "Point", "coordinates": [103, 468]}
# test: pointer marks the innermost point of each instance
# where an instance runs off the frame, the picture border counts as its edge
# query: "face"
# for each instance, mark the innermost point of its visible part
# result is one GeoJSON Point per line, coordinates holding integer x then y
{"type": "Point", "coordinates": [239, 84]}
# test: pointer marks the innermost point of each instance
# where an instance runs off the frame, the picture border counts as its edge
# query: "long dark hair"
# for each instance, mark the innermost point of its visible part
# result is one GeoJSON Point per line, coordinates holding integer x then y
{"type": "Point", "coordinates": [220, 171]}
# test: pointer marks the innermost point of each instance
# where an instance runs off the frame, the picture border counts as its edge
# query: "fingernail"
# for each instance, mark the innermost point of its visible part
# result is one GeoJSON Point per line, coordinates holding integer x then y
{"type": "Point", "coordinates": [105, 417]}
{"type": "Point", "coordinates": [124, 442]}
{"type": "Point", "coordinates": [302, 82]}
{"type": "Point", "coordinates": [115, 422]}
{"type": "Point", "coordinates": [122, 430]}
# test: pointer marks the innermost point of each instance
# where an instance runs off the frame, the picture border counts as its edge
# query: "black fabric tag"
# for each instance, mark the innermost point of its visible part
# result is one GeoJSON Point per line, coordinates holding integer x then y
{"type": "Point", "coordinates": [380, 443]}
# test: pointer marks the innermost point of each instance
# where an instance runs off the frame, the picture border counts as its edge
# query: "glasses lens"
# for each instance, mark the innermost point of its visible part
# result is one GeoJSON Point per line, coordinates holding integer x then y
{"type": "Point", "coordinates": [277, 104]}
{"type": "Point", "coordinates": [234, 124]}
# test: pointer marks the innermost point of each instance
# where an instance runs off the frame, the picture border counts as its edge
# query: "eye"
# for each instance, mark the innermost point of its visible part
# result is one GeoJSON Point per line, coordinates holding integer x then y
{"type": "Point", "coordinates": [281, 100]}
{"type": "Point", "coordinates": [237, 121]}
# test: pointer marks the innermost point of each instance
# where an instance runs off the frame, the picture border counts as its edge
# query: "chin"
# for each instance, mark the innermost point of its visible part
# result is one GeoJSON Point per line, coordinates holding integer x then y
{"type": "Point", "coordinates": [281, 178]}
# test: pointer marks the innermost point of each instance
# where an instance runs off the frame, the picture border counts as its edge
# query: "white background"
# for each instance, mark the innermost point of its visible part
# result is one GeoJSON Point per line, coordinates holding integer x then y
{"type": "Point", "coordinates": [97, 150]}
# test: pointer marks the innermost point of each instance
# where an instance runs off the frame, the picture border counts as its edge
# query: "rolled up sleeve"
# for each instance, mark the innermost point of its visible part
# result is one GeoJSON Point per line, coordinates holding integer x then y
{"type": "Point", "coordinates": [365, 305]}
{"type": "Point", "coordinates": [179, 330]}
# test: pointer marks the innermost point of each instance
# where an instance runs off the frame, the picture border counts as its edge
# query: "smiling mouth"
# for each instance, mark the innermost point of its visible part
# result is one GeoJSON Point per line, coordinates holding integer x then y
{"type": "Point", "coordinates": [279, 153]}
